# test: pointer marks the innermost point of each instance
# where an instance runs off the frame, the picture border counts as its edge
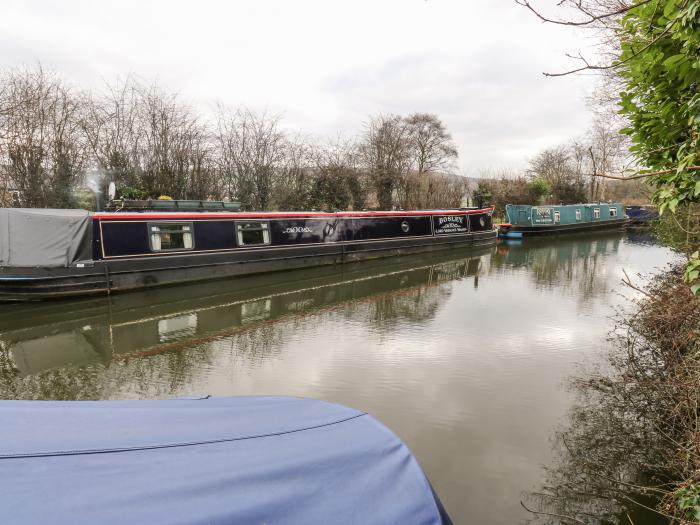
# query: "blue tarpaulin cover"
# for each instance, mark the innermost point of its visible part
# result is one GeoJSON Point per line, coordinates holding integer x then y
{"type": "Point", "coordinates": [250, 460]}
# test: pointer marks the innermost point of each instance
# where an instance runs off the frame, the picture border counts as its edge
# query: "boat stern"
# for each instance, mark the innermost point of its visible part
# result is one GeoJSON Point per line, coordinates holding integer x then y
{"type": "Point", "coordinates": [505, 231]}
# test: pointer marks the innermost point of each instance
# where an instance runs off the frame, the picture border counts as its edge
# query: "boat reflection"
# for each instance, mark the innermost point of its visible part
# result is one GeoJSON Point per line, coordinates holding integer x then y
{"type": "Point", "coordinates": [574, 261]}
{"type": "Point", "coordinates": [39, 337]}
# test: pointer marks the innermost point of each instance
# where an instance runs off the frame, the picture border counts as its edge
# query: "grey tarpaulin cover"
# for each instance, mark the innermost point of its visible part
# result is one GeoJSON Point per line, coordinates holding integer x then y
{"type": "Point", "coordinates": [240, 460]}
{"type": "Point", "coordinates": [43, 237]}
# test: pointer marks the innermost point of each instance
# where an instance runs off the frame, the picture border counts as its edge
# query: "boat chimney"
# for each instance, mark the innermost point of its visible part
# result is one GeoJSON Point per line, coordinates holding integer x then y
{"type": "Point", "coordinates": [94, 177]}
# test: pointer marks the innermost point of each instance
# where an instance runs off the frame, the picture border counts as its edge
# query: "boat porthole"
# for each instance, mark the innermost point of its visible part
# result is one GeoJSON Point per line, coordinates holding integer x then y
{"type": "Point", "coordinates": [482, 222]}
{"type": "Point", "coordinates": [404, 226]}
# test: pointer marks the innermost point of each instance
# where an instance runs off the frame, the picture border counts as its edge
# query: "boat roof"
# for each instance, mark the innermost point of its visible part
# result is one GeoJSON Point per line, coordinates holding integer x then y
{"type": "Point", "coordinates": [206, 460]}
{"type": "Point", "coordinates": [282, 215]}
{"type": "Point", "coordinates": [578, 205]}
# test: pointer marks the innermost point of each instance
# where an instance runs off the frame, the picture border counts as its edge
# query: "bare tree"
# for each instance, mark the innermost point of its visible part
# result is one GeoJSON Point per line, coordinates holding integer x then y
{"type": "Point", "coordinates": [339, 183]}
{"type": "Point", "coordinates": [114, 132]}
{"type": "Point", "coordinates": [501, 186]}
{"type": "Point", "coordinates": [385, 154]}
{"type": "Point", "coordinates": [42, 153]}
{"type": "Point", "coordinates": [151, 144]}
{"type": "Point", "coordinates": [294, 178]}
{"type": "Point", "coordinates": [411, 191]}
{"type": "Point", "coordinates": [433, 154]}
{"type": "Point", "coordinates": [556, 167]}
{"type": "Point", "coordinates": [601, 15]}
{"type": "Point", "coordinates": [195, 158]}
{"type": "Point", "coordinates": [174, 150]}
{"type": "Point", "coordinates": [431, 145]}
{"type": "Point", "coordinates": [251, 147]}
{"type": "Point", "coordinates": [6, 184]}
{"type": "Point", "coordinates": [607, 151]}
{"type": "Point", "coordinates": [446, 191]}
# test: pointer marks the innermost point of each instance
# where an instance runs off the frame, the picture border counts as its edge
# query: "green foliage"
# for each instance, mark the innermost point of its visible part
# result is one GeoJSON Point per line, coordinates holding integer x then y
{"type": "Point", "coordinates": [688, 501]}
{"type": "Point", "coordinates": [84, 199]}
{"type": "Point", "coordinates": [692, 272]}
{"type": "Point", "coordinates": [539, 188]}
{"type": "Point", "coordinates": [133, 192]}
{"type": "Point", "coordinates": [481, 195]}
{"type": "Point", "coordinates": [330, 191]}
{"type": "Point", "coordinates": [681, 230]}
{"type": "Point", "coordinates": [660, 64]}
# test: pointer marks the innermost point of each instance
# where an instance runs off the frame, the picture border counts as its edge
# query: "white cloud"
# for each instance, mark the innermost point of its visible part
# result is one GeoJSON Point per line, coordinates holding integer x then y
{"type": "Point", "coordinates": [326, 65]}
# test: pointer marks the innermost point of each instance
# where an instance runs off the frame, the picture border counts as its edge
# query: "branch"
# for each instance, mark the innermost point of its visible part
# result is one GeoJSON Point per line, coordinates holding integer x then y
{"type": "Point", "coordinates": [628, 282]}
{"type": "Point", "coordinates": [616, 64]}
{"type": "Point", "coordinates": [540, 513]}
{"type": "Point", "coordinates": [592, 18]}
{"type": "Point", "coordinates": [655, 511]}
{"type": "Point", "coordinates": [641, 175]}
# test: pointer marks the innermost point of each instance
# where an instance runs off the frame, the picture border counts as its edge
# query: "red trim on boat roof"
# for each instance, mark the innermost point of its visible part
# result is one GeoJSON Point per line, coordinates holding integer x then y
{"type": "Point", "coordinates": [267, 215]}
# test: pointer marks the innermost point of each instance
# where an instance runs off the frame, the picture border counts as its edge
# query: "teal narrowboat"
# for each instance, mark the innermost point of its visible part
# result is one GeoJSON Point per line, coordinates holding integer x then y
{"type": "Point", "coordinates": [526, 220]}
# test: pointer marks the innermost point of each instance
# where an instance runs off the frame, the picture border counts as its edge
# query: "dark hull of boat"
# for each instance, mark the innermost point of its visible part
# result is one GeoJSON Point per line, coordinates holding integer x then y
{"type": "Point", "coordinates": [132, 273]}
{"type": "Point", "coordinates": [563, 229]}
{"type": "Point", "coordinates": [641, 215]}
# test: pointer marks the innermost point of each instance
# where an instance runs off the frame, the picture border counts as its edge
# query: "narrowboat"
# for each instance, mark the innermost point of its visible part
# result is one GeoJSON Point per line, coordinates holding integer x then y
{"type": "Point", "coordinates": [48, 253]}
{"type": "Point", "coordinates": [526, 220]}
{"type": "Point", "coordinates": [642, 214]}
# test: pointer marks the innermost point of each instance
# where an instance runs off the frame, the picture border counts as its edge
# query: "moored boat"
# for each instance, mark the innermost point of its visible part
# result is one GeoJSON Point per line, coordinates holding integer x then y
{"type": "Point", "coordinates": [247, 460]}
{"type": "Point", "coordinates": [526, 220]}
{"type": "Point", "coordinates": [59, 253]}
{"type": "Point", "coordinates": [642, 214]}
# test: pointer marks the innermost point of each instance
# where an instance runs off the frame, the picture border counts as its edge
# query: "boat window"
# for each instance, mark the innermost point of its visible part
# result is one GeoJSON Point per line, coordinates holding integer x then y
{"type": "Point", "coordinates": [578, 215]}
{"type": "Point", "coordinates": [177, 327]}
{"type": "Point", "coordinates": [171, 236]}
{"type": "Point", "coordinates": [252, 233]}
{"type": "Point", "coordinates": [596, 213]}
{"type": "Point", "coordinates": [613, 212]}
{"type": "Point", "coordinates": [557, 216]}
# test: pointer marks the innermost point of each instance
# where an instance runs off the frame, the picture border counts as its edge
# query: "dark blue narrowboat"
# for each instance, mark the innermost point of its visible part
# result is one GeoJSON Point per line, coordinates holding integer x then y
{"type": "Point", "coordinates": [59, 253]}
{"type": "Point", "coordinates": [525, 220]}
{"type": "Point", "coordinates": [642, 214]}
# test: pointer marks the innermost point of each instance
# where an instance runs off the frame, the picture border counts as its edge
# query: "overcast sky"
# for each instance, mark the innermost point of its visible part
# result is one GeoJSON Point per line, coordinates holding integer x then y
{"type": "Point", "coordinates": [327, 65]}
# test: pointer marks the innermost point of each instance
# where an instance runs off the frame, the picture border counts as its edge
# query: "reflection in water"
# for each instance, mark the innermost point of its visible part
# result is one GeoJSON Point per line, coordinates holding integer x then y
{"type": "Point", "coordinates": [598, 475]}
{"type": "Point", "coordinates": [574, 261]}
{"type": "Point", "coordinates": [616, 453]}
{"type": "Point", "coordinates": [462, 354]}
{"type": "Point", "coordinates": [248, 312]}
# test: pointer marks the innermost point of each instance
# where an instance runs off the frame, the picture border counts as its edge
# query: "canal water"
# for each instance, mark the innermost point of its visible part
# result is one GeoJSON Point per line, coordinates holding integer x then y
{"type": "Point", "coordinates": [465, 355]}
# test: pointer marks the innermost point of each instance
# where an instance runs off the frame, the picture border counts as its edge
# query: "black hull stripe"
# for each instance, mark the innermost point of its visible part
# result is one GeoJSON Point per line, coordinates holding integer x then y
{"type": "Point", "coordinates": [66, 285]}
{"type": "Point", "coordinates": [543, 230]}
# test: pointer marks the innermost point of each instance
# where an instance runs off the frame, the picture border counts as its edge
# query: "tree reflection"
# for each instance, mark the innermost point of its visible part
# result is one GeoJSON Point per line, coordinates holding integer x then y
{"type": "Point", "coordinates": [602, 471]}
{"type": "Point", "coordinates": [562, 263]}
{"type": "Point", "coordinates": [631, 441]}
{"type": "Point", "coordinates": [420, 303]}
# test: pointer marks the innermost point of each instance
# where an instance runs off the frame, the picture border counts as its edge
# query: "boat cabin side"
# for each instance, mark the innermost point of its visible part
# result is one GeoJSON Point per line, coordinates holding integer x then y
{"type": "Point", "coordinates": [152, 234]}
{"type": "Point", "coordinates": [526, 215]}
